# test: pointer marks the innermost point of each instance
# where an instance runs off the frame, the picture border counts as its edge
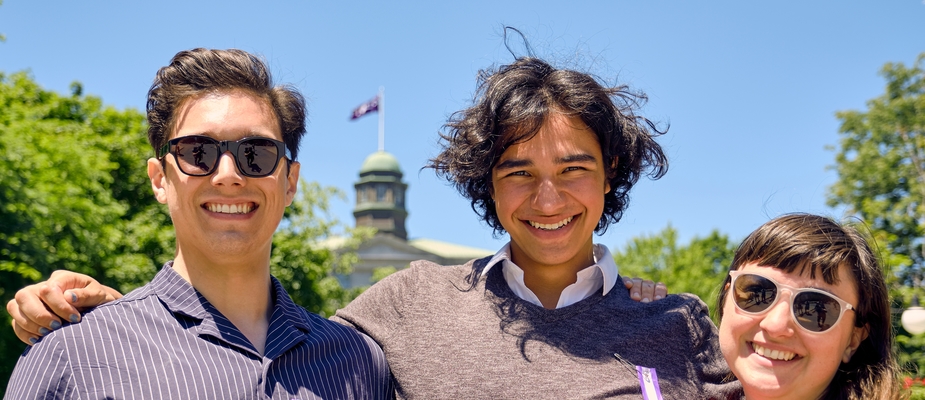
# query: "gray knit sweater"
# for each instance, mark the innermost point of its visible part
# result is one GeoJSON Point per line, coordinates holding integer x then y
{"type": "Point", "coordinates": [446, 338]}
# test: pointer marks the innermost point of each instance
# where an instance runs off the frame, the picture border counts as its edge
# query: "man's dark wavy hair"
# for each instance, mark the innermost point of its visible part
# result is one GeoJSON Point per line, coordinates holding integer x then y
{"type": "Point", "coordinates": [512, 103]}
{"type": "Point", "coordinates": [197, 72]}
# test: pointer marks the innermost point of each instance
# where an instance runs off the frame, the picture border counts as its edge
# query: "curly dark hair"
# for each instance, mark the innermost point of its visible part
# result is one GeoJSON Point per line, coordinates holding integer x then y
{"type": "Point", "coordinates": [200, 71]}
{"type": "Point", "coordinates": [512, 103]}
{"type": "Point", "coordinates": [818, 245]}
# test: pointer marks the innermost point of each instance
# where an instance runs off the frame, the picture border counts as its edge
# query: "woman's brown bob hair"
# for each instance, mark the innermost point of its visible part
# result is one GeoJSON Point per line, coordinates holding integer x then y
{"type": "Point", "coordinates": [819, 246]}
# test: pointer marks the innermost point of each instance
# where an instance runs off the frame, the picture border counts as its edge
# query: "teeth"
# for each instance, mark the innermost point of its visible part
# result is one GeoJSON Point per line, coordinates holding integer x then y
{"type": "Point", "coordinates": [230, 208]}
{"type": "Point", "coordinates": [773, 354]}
{"type": "Point", "coordinates": [551, 227]}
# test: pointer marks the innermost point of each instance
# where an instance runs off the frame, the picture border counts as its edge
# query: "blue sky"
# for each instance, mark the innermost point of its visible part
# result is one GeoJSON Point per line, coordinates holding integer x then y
{"type": "Point", "coordinates": [750, 89]}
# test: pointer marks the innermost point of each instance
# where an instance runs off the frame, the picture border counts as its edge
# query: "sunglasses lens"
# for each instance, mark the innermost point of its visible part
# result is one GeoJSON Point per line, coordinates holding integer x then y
{"type": "Point", "coordinates": [816, 311]}
{"type": "Point", "coordinates": [754, 293]}
{"type": "Point", "coordinates": [257, 157]}
{"type": "Point", "coordinates": [197, 155]}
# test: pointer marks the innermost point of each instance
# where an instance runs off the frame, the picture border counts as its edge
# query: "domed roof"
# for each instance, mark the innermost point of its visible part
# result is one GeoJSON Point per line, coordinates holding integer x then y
{"type": "Point", "coordinates": [380, 161]}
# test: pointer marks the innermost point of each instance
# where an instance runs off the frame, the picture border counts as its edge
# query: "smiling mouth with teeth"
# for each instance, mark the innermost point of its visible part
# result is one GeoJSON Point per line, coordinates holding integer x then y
{"type": "Point", "coordinates": [773, 354]}
{"type": "Point", "coordinates": [230, 208]}
{"type": "Point", "coordinates": [551, 227]}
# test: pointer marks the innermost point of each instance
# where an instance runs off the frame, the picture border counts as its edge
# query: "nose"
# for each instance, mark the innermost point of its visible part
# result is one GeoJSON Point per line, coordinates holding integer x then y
{"type": "Point", "coordinates": [226, 173]}
{"type": "Point", "coordinates": [548, 197]}
{"type": "Point", "coordinates": [777, 322]}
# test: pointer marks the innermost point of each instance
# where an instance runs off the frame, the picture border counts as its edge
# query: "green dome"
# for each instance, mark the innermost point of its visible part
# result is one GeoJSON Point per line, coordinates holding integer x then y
{"type": "Point", "coordinates": [380, 161]}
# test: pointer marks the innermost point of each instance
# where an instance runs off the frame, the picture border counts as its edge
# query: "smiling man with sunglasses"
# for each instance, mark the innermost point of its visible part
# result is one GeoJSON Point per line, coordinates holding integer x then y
{"type": "Point", "coordinates": [220, 130]}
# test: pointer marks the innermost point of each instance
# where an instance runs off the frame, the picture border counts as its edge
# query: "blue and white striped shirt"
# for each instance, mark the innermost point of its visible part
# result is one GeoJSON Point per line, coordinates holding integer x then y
{"type": "Point", "coordinates": [166, 341]}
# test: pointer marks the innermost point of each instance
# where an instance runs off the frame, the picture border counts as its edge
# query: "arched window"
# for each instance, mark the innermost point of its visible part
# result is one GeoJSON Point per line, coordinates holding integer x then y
{"type": "Point", "coordinates": [380, 192]}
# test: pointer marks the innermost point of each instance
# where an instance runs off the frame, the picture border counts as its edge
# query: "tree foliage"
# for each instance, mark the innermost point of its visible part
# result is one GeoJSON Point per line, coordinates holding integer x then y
{"type": "Point", "coordinates": [74, 195]}
{"type": "Point", "coordinates": [696, 268]}
{"type": "Point", "coordinates": [71, 195]}
{"type": "Point", "coordinates": [880, 162]}
{"type": "Point", "coordinates": [308, 271]}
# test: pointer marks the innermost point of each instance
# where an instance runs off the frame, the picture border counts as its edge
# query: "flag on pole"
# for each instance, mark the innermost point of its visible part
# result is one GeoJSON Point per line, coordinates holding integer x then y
{"type": "Point", "coordinates": [366, 108]}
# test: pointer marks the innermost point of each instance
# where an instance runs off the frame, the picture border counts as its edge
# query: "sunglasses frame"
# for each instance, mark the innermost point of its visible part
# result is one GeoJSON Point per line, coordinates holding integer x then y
{"type": "Point", "coordinates": [794, 292]}
{"type": "Point", "coordinates": [226, 146]}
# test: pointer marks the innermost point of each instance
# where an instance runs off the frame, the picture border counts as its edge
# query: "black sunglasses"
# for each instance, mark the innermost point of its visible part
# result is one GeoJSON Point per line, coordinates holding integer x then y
{"type": "Point", "coordinates": [198, 155]}
{"type": "Point", "coordinates": [813, 309]}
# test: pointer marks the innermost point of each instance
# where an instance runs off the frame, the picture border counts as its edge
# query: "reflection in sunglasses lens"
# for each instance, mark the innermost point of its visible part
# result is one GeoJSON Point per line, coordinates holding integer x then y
{"type": "Point", "coordinates": [259, 155]}
{"type": "Point", "coordinates": [816, 311]}
{"type": "Point", "coordinates": [197, 156]}
{"type": "Point", "coordinates": [754, 293]}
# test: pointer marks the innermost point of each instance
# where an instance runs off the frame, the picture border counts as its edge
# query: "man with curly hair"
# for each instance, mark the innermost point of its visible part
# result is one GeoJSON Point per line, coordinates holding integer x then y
{"type": "Point", "coordinates": [548, 156]}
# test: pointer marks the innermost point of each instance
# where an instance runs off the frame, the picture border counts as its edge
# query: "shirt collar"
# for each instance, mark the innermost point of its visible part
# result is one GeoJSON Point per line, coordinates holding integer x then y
{"type": "Point", "coordinates": [181, 297]}
{"type": "Point", "coordinates": [603, 260]}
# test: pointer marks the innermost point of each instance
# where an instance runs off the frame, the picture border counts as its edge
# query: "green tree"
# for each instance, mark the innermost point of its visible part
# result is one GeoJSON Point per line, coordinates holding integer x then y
{"type": "Point", "coordinates": [308, 271]}
{"type": "Point", "coordinates": [696, 268]}
{"type": "Point", "coordinates": [880, 162]}
{"type": "Point", "coordinates": [70, 195]}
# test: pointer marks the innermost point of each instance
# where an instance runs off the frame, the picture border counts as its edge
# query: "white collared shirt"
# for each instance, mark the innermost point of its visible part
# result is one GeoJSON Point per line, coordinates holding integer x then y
{"type": "Point", "coordinates": [602, 274]}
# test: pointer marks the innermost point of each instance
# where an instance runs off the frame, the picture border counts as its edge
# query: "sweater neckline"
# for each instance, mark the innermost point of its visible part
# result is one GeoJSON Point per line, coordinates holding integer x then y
{"type": "Point", "coordinates": [497, 289]}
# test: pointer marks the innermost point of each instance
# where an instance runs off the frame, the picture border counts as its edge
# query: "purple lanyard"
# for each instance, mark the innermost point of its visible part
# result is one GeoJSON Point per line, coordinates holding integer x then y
{"type": "Point", "coordinates": [648, 382]}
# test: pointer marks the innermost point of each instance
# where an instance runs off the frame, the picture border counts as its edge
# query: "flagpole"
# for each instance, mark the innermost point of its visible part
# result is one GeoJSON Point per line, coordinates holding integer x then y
{"type": "Point", "coordinates": [381, 118]}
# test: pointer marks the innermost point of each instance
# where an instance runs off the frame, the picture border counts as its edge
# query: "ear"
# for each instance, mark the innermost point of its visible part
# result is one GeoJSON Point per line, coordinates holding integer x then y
{"type": "Point", "coordinates": [857, 336]}
{"type": "Point", "coordinates": [158, 180]}
{"type": "Point", "coordinates": [613, 171]}
{"type": "Point", "coordinates": [292, 182]}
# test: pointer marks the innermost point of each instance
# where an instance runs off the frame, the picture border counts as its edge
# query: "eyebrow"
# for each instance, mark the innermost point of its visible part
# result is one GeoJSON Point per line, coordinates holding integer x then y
{"type": "Point", "coordinates": [522, 162]}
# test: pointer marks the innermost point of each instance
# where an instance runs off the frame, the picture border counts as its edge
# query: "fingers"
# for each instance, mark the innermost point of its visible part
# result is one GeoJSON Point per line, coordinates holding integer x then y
{"type": "Point", "coordinates": [661, 291]}
{"type": "Point", "coordinates": [635, 287]}
{"type": "Point", "coordinates": [113, 293]}
{"type": "Point", "coordinates": [40, 308]}
{"type": "Point", "coordinates": [79, 291]}
{"type": "Point", "coordinates": [54, 301]}
{"type": "Point", "coordinates": [29, 335]}
{"type": "Point", "coordinates": [31, 320]}
{"type": "Point", "coordinates": [645, 290]}
{"type": "Point", "coordinates": [90, 296]}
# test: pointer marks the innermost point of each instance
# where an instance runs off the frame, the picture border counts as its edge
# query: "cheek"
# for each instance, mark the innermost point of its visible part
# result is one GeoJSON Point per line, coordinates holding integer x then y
{"type": "Point", "coordinates": [507, 198]}
{"type": "Point", "coordinates": [587, 185]}
{"type": "Point", "coordinates": [731, 329]}
{"type": "Point", "coordinates": [827, 350]}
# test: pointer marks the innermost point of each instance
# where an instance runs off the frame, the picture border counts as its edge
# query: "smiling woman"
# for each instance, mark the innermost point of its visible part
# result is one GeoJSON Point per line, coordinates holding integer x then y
{"type": "Point", "coordinates": [805, 314]}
